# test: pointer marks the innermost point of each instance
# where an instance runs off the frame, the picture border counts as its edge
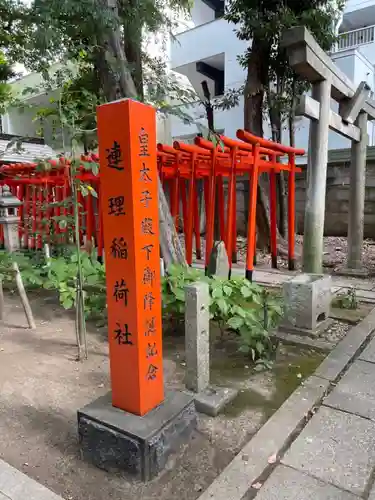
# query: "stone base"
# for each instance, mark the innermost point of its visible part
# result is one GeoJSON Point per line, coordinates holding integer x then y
{"type": "Point", "coordinates": [303, 340]}
{"type": "Point", "coordinates": [115, 440]}
{"type": "Point", "coordinates": [353, 273]}
{"type": "Point", "coordinates": [323, 325]}
{"type": "Point", "coordinates": [212, 400]}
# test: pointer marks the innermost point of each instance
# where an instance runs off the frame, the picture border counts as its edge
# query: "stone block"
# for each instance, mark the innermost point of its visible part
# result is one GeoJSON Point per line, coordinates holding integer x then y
{"type": "Point", "coordinates": [218, 264]}
{"type": "Point", "coordinates": [113, 439]}
{"type": "Point", "coordinates": [307, 300]}
{"type": "Point", "coordinates": [197, 336]}
{"type": "Point", "coordinates": [333, 365]}
{"type": "Point", "coordinates": [213, 399]}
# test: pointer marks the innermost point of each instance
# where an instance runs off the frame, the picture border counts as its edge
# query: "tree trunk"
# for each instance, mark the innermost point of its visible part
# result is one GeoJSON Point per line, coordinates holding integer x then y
{"type": "Point", "coordinates": [117, 83]}
{"type": "Point", "coordinates": [116, 58]}
{"type": "Point", "coordinates": [257, 80]}
{"type": "Point", "coordinates": [133, 52]}
{"type": "Point", "coordinates": [276, 127]}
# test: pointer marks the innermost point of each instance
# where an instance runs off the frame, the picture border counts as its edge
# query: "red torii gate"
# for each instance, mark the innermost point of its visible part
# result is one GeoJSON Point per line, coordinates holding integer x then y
{"type": "Point", "coordinates": [251, 155]}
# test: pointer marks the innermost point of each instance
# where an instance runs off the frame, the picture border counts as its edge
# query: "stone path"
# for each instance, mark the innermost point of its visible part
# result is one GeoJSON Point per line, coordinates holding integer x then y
{"type": "Point", "coordinates": [334, 455]}
{"type": "Point", "coordinates": [14, 485]}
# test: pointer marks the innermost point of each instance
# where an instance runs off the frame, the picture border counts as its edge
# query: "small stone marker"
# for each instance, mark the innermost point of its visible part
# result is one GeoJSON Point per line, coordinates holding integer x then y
{"type": "Point", "coordinates": [208, 399]}
{"type": "Point", "coordinates": [219, 262]}
{"type": "Point", "coordinates": [307, 300]}
{"type": "Point", "coordinates": [197, 336]}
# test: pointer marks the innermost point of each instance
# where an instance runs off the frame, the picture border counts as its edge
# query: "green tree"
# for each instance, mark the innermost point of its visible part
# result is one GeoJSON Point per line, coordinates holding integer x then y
{"type": "Point", "coordinates": [271, 86]}
{"type": "Point", "coordinates": [104, 38]}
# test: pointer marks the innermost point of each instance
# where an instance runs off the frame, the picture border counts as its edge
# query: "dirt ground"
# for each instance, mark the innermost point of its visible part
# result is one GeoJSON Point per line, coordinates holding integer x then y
{"type": "Point", "coordinates": [42, 386]}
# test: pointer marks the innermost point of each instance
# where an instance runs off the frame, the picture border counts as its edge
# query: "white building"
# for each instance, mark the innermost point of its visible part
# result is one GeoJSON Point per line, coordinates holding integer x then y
{"type": "Point", "coordinates": [207, 49]}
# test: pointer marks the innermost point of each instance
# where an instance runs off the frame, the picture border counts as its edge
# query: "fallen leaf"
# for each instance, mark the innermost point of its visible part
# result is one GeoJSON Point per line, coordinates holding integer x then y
{"type": "Point", "coordinates": [272, 459]}
{"type": "Point", "coordinates": [257, 486]}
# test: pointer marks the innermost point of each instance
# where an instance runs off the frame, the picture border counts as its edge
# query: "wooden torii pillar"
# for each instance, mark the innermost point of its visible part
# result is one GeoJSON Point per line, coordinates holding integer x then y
{"type": "Point", "coordinates": [309, 60]}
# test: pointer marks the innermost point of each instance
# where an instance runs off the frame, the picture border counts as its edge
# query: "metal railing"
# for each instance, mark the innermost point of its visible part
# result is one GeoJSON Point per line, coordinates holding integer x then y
{"type": "Point", "coordinates": [355, 38]}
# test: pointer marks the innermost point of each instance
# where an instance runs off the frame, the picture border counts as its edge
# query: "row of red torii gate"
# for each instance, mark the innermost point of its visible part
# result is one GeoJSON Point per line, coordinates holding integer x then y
{"type": "Point", "coordinates": [45, 190]}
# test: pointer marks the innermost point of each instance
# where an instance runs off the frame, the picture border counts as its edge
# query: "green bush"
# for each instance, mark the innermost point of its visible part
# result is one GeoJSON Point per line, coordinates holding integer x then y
{"type": "Point", "coordinates": [235, 304]}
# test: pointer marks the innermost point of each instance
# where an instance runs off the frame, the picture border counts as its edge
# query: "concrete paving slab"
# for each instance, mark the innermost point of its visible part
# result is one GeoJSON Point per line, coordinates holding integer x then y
{"type": "Point", "coordinates": [354, 339]}
{"type": "Point", "coordinates": [352, 283]}
{"type": "Point", "coordinates": [363, 294]}
{"type": "Point", "coordinates": [331, 367]}
{"type": "Point", "coordinates": [15, 485]}
{"type": "Point", "coordinates": [366, 295]}
{"type": "Point", "coordinates": [355, 393]}
{"type": "Point", "coordinates": [335, 447]}
{"type": "Point", "coordinates": [289, 484]}
{"type": "Point", "coordinates": [369, 353]}
{"type": "Point", "coordinates": [274, 278]}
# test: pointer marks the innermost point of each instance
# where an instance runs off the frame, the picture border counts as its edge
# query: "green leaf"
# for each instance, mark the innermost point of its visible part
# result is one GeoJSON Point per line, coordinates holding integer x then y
{"type": "Point", "coordinates": [179, 294]}
{"type": "Point", "coordinates": [227, 290]}
{"type": "Point", "coordinates": [240, 311]}
{"type": "Point", "coordinates": [246, 292]}
{"type": "Point", "coordinates": [217, 293]}
{"type": "Point", "coordinates": [67, 303]}
{"type": "Point", "coordinates": [244, 348]}
{"type": "Point", "coordinates": [92, 191]}
{"type": "Point", "coordinates": [236, 322]}
{"type": "Point", "coordinates": [223, 306]}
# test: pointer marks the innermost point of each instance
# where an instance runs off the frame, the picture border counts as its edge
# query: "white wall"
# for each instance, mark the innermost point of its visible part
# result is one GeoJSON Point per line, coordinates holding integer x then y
{"type": "Point", "coordinates": [201, 13]}
{"type": "Point", "coordinates": [352, 5]}
{"type": "Point", "coordinates": [203, 42]}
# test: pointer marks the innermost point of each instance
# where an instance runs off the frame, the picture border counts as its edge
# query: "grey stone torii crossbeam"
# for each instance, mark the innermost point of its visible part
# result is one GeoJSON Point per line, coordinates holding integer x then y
{"type": "Point", "coordinates": [309, 60]}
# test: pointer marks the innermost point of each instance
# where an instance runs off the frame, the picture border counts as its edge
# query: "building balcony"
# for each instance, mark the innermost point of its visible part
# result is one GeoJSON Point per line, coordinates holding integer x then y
{"type": "Point", "coordinates": [356, 38]}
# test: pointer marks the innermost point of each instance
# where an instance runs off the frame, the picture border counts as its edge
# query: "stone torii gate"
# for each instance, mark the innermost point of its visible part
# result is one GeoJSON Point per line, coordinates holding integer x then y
{"type": "Point", "coordinates": [309, 60]}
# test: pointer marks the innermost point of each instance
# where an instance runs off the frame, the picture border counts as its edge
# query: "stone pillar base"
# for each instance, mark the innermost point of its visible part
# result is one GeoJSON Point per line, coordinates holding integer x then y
{"type": "Point", "coordinates": [353, 273]}
{"type": "Point", "coordinates": [213, 400]}
{"type": "Point", "coordinates": [297, 330]}
{"type": "Point", "coordinates": [113, 439]}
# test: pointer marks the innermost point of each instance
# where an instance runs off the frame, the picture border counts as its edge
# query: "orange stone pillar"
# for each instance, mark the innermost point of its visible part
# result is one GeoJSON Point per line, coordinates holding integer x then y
{"type": "Point", "coordinates": [129, 201]}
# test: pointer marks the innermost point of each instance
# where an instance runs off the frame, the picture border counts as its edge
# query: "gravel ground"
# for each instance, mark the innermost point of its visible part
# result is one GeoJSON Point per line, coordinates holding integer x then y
{"type": "Point", "coordinates": [335, 251]}
{"type": "Point", "coordinates": [335, 332]}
